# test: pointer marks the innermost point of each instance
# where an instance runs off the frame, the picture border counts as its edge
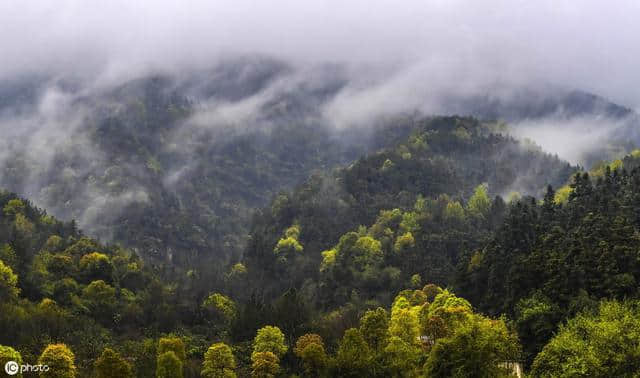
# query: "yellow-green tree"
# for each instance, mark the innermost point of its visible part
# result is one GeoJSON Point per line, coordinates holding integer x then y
{"type": "Point", "coordinates": [264, 365]}
{"type": "Point", "coordinates": [13, 207]}
{"type": "Point", "coordinates": [310, 349]}
{"type": "Point", "coordinates": [60, 360]}
{"type": "Point", "coordinates": [96, 266]}
{"type": "Point", "coordinates": [354, 356]}
{"type": "Point", "coordinates": [600, 344]}
{"type": "Point", "coordinates": [289, 244]}
{"type": "Point", "coordinates": [221, 306]}
{"type": "Point", "coordinates": [219, 362]}
{"type": "Point", "coordinates": [7, 354]}
{"type": "Point", "coordinates": [374, 327]}
{"type": "Point", "coordinates": [479, 203]}
{"type": "Point", "coordinates": [168, 365]}
{"type": "Point", "coordinates": [100, 299]}
{"type": "Point", "coordinates": [454, 211]}
{"type": "Point", "coordinates": [9, 290]}
{"type": "Point", "coordinates": [173, 344]}
{"type": "Point", "coordinates": [270, 339]}
{"type": "Point", "coordinates": [477, 346]}
{"type": "Point", "coordinates": [111, 365]}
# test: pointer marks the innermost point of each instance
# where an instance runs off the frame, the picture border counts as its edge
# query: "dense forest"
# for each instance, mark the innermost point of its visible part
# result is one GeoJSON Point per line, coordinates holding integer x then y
{"type": "Point", "coordinates": [449, 249]}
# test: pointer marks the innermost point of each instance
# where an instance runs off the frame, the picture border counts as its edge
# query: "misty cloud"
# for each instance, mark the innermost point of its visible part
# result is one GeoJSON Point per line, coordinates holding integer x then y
{"type": "Point", "coordinates": [579, 140]}
{"type": "Point", "coordinates": [588, 45]}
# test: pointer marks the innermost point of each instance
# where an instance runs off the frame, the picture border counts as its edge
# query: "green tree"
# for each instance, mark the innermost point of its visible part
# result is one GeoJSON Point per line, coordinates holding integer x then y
{"type": "Point", "coordinates": [354, 356]}
{"type": "Point", "coordinates": [288, 245]}
{"type": "Point", "coordinates": [221, 306]}
{"type": "Point", "coordinates": [172, 344]}
{"type": "Point", "coordinates": [111, 365]}
{"type": "Point", "coordinates": [61, 362]}
{"type": "Point", "coordinates": [219, 362]}
{"type": "Point", "coordinates": [96, 266]}
{"type": "Point", "coordinates": [9, 290]}
{"type": "Point", "coordinates": [7, 354]}
{"type": "Point", "coordinates": [100, 298]}
{"type": "Point", "coordinates": [310, 349]}
{"type": "Point", "coordinates": [454, 211]}
{"type": "Point", "coordinates": [401, 358]}
{"type": "Point", "coordinates": [8, 255]}
{"type": "Point", "coordinates": [270, 339]}
{"type": "Point", "coordinates": [479, 203]}
{"type": "Point", "coordinates": [477, 348]}
{"type": "Point", "coordinates": [13, 207]}
{"type": "Point", "coordinates": [374, 327]}
{"type": "Point", "coordinates": [404, 321]}
{"type": "Point", "coordinates": [264, 365]}
{"type": "Point", "coordinates": [169, 365]}
{"type": "Point", "coordinates": [600, 344]}
{"type": "Point", "coordinates": [404, 242]}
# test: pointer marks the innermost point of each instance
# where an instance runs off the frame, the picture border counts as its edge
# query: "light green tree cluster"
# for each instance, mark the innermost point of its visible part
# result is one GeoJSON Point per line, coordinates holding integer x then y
{"type": "Point", "coordinates": [289, 245]}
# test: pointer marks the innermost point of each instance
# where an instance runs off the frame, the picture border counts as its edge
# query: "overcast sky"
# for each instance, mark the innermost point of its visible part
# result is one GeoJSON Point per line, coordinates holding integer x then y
{"type": "Point", "coordinates": [591, 45]}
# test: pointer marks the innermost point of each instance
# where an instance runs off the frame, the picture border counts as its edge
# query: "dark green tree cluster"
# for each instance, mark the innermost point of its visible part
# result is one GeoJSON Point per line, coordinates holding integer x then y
{"type": "Point", "coordinates": [554, 258]}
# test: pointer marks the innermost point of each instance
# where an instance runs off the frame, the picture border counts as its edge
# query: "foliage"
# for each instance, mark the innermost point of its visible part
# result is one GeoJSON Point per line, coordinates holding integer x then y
{"type": "Point", "coordinates": [374, 326]}
{"type": "Point", "coordinates": [221, 305]}
{"type": "Point", "coordinates": [7, 354]}
{"type": "Point", "coordinates": [600, 344]}
{"type": "Point", "coordinates": [219, 362]}
{"type": "Point", "coordinates": [9, 289]}
{"type": "Point", "coordinates": [353, 356]}
{"type": "Point", "coordinates": [172, 344]}
{"type": "Point", "coordinates": [479, 203]}
{"type": "Point", "coordinates": [264, 365]}
{"type": "Point", "coordinates": [550, 260]}
{"type": "Point", "coordinates": [61, 361]}
{"type": "Point", "coordinates": [310, 349]}
{"type": "Point", "coordinates": [169, 365]}
{"type": "Point", "coordinates": [111, 365]}
{"type": "Point", "coordinates": [270, 339]}
{"type": "Point", "coordinates": [477, 348]}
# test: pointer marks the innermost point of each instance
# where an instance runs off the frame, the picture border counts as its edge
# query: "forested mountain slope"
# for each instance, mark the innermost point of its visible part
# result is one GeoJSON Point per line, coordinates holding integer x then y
{"type": "Point", "coordinates": [173, 166]}
{"type": "Point", "coordinates": [443, 156]}
{"type": "Point", "coordinates": [554, 258]}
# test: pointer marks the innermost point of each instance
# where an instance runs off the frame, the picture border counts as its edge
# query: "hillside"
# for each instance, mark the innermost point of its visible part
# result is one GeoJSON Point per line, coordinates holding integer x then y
{"type": "Point", "coordinates": [169, 166]}
{"type": "Point", "coordinates": [555, 258]}
{"type": "Point", "coordinates": [444, 160]}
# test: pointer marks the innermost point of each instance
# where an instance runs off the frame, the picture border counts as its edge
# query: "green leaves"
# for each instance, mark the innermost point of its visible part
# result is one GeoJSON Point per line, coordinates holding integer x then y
{"type": "Point", "coordinates": [61, 362]}
{"type": "Point", "coordinates": [270, 339]}
{"type": "Point", "coordinates": [219, 362]}
{"type": "Point", "coordinates": [111, 365]}
{"type": "Point", "coordinates": [9, 289]}
{"type": "Point", "coordinates": [479, 203]}
{"type": "Point", "coordinates": [601, 344]}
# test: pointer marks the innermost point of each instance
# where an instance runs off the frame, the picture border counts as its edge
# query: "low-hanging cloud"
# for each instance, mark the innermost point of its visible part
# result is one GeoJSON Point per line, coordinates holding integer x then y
{"type": "Point", "coordinates": [590, 45]}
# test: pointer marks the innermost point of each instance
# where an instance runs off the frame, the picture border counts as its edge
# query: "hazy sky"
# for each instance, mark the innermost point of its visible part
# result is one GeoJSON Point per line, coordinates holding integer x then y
{"type": "Point", "coordinates": [592, 45]}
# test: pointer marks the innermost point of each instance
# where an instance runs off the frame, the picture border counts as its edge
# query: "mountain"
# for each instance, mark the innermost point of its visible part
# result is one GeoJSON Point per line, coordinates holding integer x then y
{"type": "Point", "coordinates": [445, 159]}
{"type": "Point", "coordinates": [173, 166]}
